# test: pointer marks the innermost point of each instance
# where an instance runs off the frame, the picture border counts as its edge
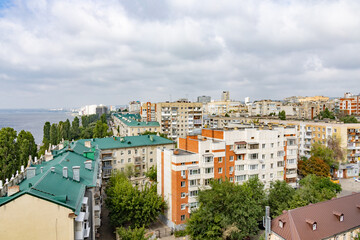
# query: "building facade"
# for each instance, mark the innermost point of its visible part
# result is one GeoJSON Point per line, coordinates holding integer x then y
{"type": "Point", "coordinates": [237, 154]}
{"type": "Point", "coordinates": [54, 198]}
{"type": "Point", "coordinates": [148, 112]}
{"type": "Point", "coordinates": [134, 107]}
{"type": "Point", "coordinates": [178, 119]}
{"type": "Point", "coordinates": [137, 152]}
{"type": "Point", "coordinates": [350, 104]}
{"type": "Point", "coordinates": [130, 125]}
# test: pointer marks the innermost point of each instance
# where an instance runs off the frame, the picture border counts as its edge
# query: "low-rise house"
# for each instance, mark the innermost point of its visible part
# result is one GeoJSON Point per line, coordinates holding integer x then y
{"type": "Point", "coordinates": [336, 219]}
{"type": "Point", "coordinates": [58, 198]}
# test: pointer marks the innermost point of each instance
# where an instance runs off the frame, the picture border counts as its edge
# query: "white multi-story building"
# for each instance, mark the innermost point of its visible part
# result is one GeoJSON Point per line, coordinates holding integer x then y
{"type": "Point", "coordinates": [269, 153]}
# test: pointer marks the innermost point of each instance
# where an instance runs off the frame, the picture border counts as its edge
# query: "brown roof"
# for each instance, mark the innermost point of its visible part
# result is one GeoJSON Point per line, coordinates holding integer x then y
{"type": "Point", "coordinates": [298, 222]}
{"type": "Point", "coordinates": [241, 142]}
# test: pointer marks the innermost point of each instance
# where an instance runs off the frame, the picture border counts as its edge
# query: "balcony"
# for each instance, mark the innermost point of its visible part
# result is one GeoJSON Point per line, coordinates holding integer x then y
{"type": "Point", "coordinates": [107, 158]}
{"type": "Point", "coordinates": [308, 136]}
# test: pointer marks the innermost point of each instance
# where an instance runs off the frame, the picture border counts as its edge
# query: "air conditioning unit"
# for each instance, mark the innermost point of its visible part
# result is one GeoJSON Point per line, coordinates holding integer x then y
{"type": "Point", "coordinates": [231, 172]}
{"type": "Point", "coordinates": [186, 194]}
{"type": "Point", "coordinates": [183, 176]}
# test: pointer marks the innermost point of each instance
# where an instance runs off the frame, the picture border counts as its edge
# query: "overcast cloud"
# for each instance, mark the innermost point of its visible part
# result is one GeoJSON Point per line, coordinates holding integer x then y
{"type": "Point", "coordinates": [62, 53]}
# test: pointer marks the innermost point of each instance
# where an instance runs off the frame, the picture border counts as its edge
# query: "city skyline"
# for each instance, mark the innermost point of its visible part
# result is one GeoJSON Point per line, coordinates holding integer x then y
{"type": "Point", "coordinates": [67, 54]}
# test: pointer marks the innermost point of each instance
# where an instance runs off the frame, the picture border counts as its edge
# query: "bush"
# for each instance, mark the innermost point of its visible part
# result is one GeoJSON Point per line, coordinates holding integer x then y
{"type": "Point", "coordinates": [180, 233]}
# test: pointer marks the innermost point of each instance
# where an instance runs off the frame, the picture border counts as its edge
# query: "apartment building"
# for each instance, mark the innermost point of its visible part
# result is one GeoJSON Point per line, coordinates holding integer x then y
{"type": "Point", "coordinates": [139, 152]}
{"type": "Point", "coordinates": [222, 107]}
{"type": "Point", "coordinates": [204, 99]}
{"type": "Point", "coordinates": [178, 119]}
{"type": "Point", "coordinates": [267, 107]}
{"type": "Point", "coordinates": [130, 124]}
{"type": "Point", "coordinates": [54, 198]}
{"type": "Point", "coordinates": [134, 106]}
{"type": "Point", "coordinates": [148, 112]}
{"type": "Point", "coordinates": [334, 219]}
{"type": "Point", "coordinates": [350, 104]}
{"type": "Point", "coordinates": [269, 153]}
{"type": "Point", "coordinates": [309, 110]}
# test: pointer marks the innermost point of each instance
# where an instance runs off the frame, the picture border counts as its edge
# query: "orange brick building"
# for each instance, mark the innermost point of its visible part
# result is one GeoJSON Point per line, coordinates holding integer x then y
{"type": "Point", "coordinates": [350, 104]}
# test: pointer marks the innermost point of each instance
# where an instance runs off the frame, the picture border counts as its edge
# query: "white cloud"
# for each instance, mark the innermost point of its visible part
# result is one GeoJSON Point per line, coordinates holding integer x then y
{"type": "Point", "coordinates": [75, 52]}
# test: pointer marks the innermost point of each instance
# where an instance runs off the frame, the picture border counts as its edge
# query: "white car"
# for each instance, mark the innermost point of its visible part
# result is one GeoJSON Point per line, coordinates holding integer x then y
{"type": "Point", "coordinates": [357, 179]}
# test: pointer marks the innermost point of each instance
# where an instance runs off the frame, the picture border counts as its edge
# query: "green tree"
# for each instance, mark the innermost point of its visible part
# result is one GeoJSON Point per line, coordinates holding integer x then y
{"type": "Point", "coordinates": [103, 118]}
{"type": "Point", "coordinates": [60, 131]}
{"type": "Point", "coordinates": [314, 189]}
{"type": "Point", "coordinates": [324, 153]}
{"type": "Point", "coordinates": [9, 162]}
{"type": "Point", "coordinates": [280, 194]}
{"type": "Point", "coordinates": [349, 119]}
{"type": "Point", "coordinates": [43, 148]}
{"type": "Point", "coordinates": [326, 114]}
{"type": "Point", "coordinates": [228, 210]}
{"type": "Point", "coordinates": [131, 234]}
{"type": "Point", "coordinates": [282, 115]}
{"type": "Point", "coordinates": [26, 147]}
{"type": "Point", "coordinates": [75, 131]}
{"type": "Point", "coordinates": [66, 128]}
{"type": "Point", "coordinates": [100, 129]}
{"type": "Point", "coordinates": [130, 206]}
{"type": "Point", "coordinates": [152, 173]}
{"type": "Point", "coordinates": [84, 121]}
{"type": "Point", "coordinates": [53, 134]}
{"type": "Point", "coordinates": [46, 130]}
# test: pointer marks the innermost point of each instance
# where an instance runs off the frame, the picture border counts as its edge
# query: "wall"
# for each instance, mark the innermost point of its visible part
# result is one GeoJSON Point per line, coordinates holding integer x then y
{"type": "Point", "coordinates": [28, 217]}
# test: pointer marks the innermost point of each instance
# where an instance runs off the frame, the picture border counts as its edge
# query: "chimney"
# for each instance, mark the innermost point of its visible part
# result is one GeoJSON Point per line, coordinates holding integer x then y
{"type": "Point", "coordinates": [76, 173]}
{"type": "Point", "coordinates": [88, 164]}
{"type": "Point", "coordinates": [65, 172]}
{"type": "Point", "coordinates": [30, 172]}
{"type": "Point", "coordinates": [53, 169]}
{"type": "Point", "coordinates": [176, 152]}
{"type": "Point", "coordinates": [1, 184]}
{"type": "Point", "coordinates": [42, 169]}
{"type": "Point", "coordinates": [12, 190]}
{"type": "Point", "coordinates": [22, 168]}
{"type": "Point", "coordinates": [88, 144]}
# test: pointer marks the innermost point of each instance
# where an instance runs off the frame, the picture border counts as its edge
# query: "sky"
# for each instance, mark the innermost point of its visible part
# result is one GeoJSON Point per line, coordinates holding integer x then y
{"type": "Point", "coordinates": [63, 53]}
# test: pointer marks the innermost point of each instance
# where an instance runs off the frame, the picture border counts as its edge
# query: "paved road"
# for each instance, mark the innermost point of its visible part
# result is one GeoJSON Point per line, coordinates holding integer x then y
{"type": "Point", "coordinates": [106, 231]}
{"type": "Point", "coordinates": [348, 187]}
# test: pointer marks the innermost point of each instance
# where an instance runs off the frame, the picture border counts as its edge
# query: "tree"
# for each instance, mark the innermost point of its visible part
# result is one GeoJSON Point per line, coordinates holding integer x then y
{"type": "Point", "coordinates": [100, 129]}
{"type": "Point", "coordinates": [103, 118]}
{"type": "Point", "coordinates": [46, 136]}
{"type": "Point", "coordinates": [334, 143]}
{"type": "Point", "coordinates": [324, 153]}
{"type": "Point", "coordinates": [60, 131]}
{"type": "Point", "coordinates": [84, 121]}
{"type": "Point", "coordinates": [313, 165]}
{"type": "Point", "coordinates": [9, 162]}
{"type": "Point", "coordinates": [326, 114]}
{"type": "Point", "coordinates": [280, 194]}
{"type": "Point", "coordinates": [53, 134]}
{"type": "Point", "coordinates": [75, 131]}
{"type": "Point", "coordinates": [152, 174]}
{"type": "Point", "coordinates": [228, 210]}
{"type": "Point", "coordinates": [67, 127]}
{"type": "Point", "coordinates": [282, 115]}
{"type": "Point", "coordinates": [129, 206]}
{"type": "Point", "coordinates": [349, 119]}
{"type": "Point", "coordinates": [26, 147]}
{"type": "Point", "coordinates": [314, 189]}
{"type": "Point", "coordinates": [131, 234]}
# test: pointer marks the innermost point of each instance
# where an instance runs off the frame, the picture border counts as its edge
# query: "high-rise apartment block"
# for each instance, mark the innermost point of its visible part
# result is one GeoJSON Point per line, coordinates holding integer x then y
{"type": "Point", "coordinates": [204, 99]}
{"type": "Point", "coordinates": [269, 153]}
{"type": "Point", "coordinates": [225, 96]}
{"type": "Point", "coordinates": [134, 106]}
{"type": "Point", "coordinates": [148, 112]}
{"type": "Point", "coordinates": [350, 104]}
{"type": "Point", "coordinates": [178, 119]}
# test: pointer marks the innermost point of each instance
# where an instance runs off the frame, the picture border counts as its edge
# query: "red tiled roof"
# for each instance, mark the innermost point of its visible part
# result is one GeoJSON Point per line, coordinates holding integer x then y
{"type": "Point", "coordinates": [298, 222]}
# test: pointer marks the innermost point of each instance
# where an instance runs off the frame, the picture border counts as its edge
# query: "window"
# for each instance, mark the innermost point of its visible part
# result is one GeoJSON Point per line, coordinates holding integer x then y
{"type": "Point", "coordinates": [135, 151]}
{"type": "Point", "coordinates": [129, 159]}
{"type": "Point", "coordinates": [194, 171]}
{"type": "Point", "coordinates": [122, 160]}
{"type": "Point", "coordinates": [183, 195]}
{"type": "Point", "coordinates": [231, 147]}
{"type": "Point", "coordinates": [263, 145]}
{"type": "Point", "coordinates": [263, 166]}
{"type": "Point", "coordinates": [151, 160]}
{"type": "Point", "coordinates": [240, 178]}
{"type": "Point", "coordinates": [220, 170]}
{"type": "Point", "coordinates": [263, 156]}
{"type": "Point", "coordinates": [122, 152]}
{"type": "Point", "coordinates": [271, 155]}
{"type": "Point", "coordinates": [151, 152]}
{"type": "Point", "coordinates": [271, 165]}
{"type": "Point", "coordinates": [129, 151]}
{"type": "Point", "coordinates": [183, 206]}
{"type": "Point", "coordinates": [231, 179]}
{"type": "Point", "coordinates": [281, 224]}
{"type": "Point", "coordinates": [182, 164]}
{"type": "Point", "coordinates": [194, 193]}
{"type": "Point", "coordinates": [314, 227]}
{"type": "Point", "coordinates": [219, 159]}
{"type": "Point", "coordinates": [240, 167]}
{"type": "Point", "coordinates": [271, 175]}
{"type": "Point", "coordinates": [182, 183]}
{"type": "Point", "coordinates": [208, 159]}
{"type": "Point", "coordinates": [253, 167]}
{"type": "Point", "coordinates": [193, 162]}
{"type": "Point", "coordinates": [183, 173]}
{"type": "Point", "coordinates": [207, 181]}
{"type": "Point", "coordinates": [263, 176]}
{"type": "Point", "coordinates": [272, 145]}
{"type": "Point", "coordinates": [194, 182]}
{"type": "Point", "coordinates": [182, 217]}
{"type": "Point", "coordinates": [231, 158]}
{"type": "Point", "coordinates": [291, 161]}
{"type": "Point", "coordinates": [231, 169]}
{"type": "Point", "coordinates": [253, 156]}
{"type": "Point", "coordinates": [209, 170]}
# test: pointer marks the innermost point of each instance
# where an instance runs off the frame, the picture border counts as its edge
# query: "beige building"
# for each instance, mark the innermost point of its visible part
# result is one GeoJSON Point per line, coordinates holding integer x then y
{"type": "Point", "coordinates": [178, 119]}
{"type": "Point", "coordinates": [138, 152]}
{"type": "Point", "coordinates": [267, 107]}
{"type": "Point", "coordinates": [130, 125]}
{"type": "Point", "coordinates": [148, 112]}
{"type": "Point", "coordinates": [222, 107]}
{"type": "Point", "coordinates": [57, 198]}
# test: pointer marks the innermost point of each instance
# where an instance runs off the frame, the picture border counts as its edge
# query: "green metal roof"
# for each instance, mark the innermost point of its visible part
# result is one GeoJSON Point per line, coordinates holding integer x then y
{"type": "Point", "coordinates": [52, 186]}
{"type": "Point", "coordinates": [126, 142]}
{"type": "Point", "coordinates": [132, 120]}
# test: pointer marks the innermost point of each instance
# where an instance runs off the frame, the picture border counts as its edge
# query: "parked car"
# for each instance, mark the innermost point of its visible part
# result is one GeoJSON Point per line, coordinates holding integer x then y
{"type": "Point", "coordinates": [357, 179]}
{"type": "Point", "coordinates": [335, 180]}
